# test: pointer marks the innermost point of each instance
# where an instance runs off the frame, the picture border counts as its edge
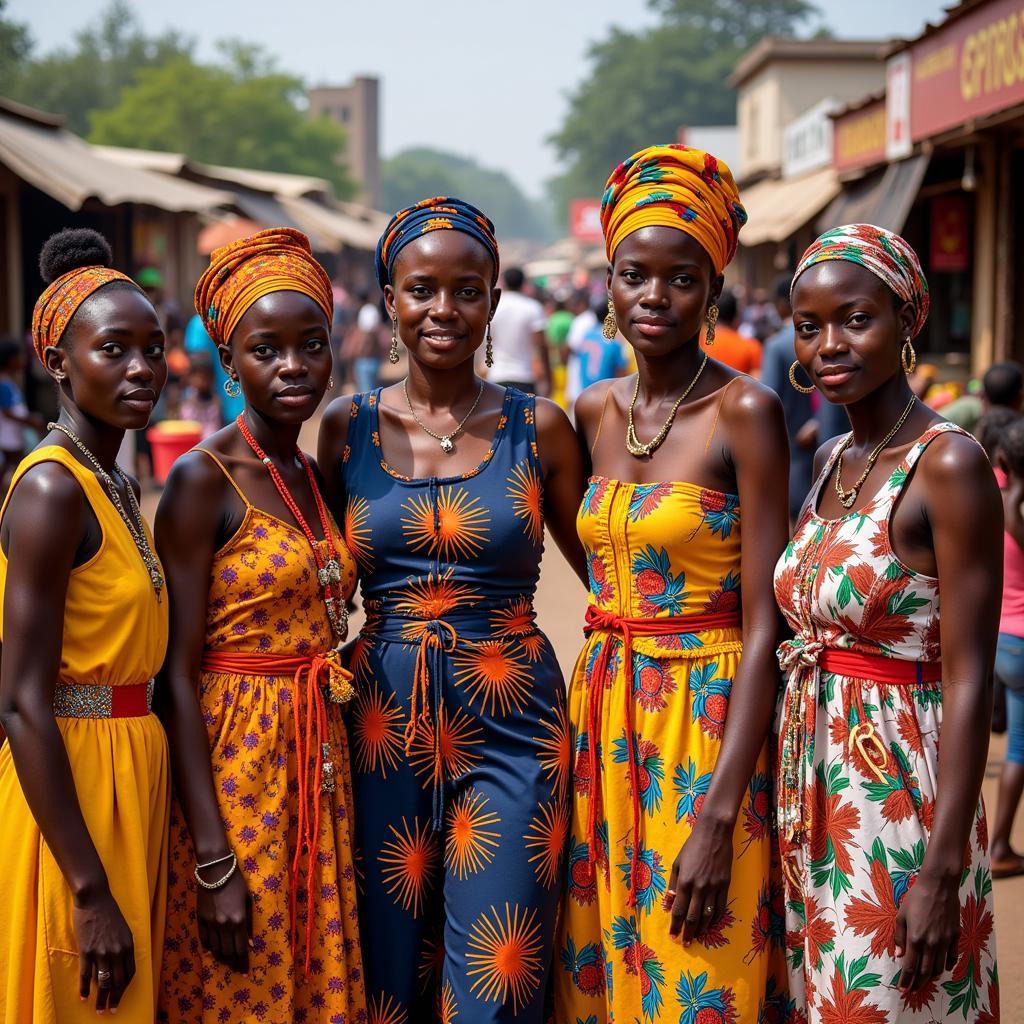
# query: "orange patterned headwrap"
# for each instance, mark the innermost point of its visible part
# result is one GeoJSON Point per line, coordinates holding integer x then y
{"type": "Point", "coordinates": [59, 303]}
{"type": "Point", "coordinates": [676, 187]}
{"type": "Point", "coordinates": [275, 260]}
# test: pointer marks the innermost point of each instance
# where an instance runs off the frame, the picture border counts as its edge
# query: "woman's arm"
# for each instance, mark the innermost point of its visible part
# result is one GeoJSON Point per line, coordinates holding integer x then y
{"type": "Point", "coordinates": [564, 482]}
{"type": "Point", "coordinates": [188, 524]}
{"type": "Point", "coordinates": [330, 447]}
{"type": "Point", "coordinates": [45, 522]}
{"type": "Point", "coordinates": [756, 433]}
{"type": "Point", "coordinates": [965, 514]}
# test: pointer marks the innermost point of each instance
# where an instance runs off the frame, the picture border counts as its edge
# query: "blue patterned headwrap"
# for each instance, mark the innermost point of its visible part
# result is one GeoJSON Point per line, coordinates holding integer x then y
{"type": "Point", "coordinates": [442, 213]}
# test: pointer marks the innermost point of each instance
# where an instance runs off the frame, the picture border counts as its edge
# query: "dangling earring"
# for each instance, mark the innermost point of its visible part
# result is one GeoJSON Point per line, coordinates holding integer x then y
{"type": "Point", "coordinates": [610, 328]}
{"type": "Point", "coordinates": [489, 351]}
{"type": "Point", "coordinates": [802, 388]}
{"type": "Point", "coordinates": [909, 365]}
{"type": "Point", "coordinates": [232, 388]}
{"type": "Point", "coordinates": [330, 382]}
{"type": "Point", "coordinates": [709, 337]}
{"type": "Point", "coordinates": [393, 351]}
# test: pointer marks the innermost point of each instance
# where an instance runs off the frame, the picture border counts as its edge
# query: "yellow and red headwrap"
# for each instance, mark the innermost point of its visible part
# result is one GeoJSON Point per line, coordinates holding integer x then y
{"type": "Point", "coordinates": [275, 260]}
{"type": "Point", "coordinates": [675, 187]}
{"type": "Point", "coordinates": [61, 299]}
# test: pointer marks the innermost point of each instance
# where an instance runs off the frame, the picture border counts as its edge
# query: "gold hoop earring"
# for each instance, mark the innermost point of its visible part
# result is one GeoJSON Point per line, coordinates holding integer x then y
{"type": "Point", "coordinates": [393, 351]}
{"type": "Point", "coordinates": [709, 337]}
{"type": "Point", "coordinates": [802, 388]}
{"type": "Point", "coordinates": [232, 388]}
{"type": "Point", "coordinates": [489, 351]}
{"type": "Point", "coordinates": [909, 365]}
{"type": "Point", "coordinates": [610, 326]}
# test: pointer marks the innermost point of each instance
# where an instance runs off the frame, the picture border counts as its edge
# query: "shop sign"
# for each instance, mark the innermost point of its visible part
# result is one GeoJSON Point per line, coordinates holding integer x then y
{"type": "Point", "coordinates": [950, 233]}
{"type": "Point", "coordinates": [807, 140]}
{"type": "Point", "coordinates": [859, 137]}
{"type": "Point", "coordinates": [585, 220]}
{"type": "Point", "coordinates": [898, 143]}
{"type": "Point", "coordinates": [971, 67]}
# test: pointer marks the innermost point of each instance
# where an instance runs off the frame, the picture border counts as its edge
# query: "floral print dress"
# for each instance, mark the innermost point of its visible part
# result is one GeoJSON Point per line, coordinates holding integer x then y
{"type": "Point", "coordinates": [863, 773]}
{"type": "Point", "coordinates": [659, 552]}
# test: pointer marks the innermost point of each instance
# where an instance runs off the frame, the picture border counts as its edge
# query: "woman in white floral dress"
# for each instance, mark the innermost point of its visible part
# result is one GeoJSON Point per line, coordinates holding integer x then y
{"type": "Point", "coordinates": [889, 892]}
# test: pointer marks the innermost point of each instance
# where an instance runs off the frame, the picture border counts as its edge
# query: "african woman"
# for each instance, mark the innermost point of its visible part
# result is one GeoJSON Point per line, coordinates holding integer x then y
{"type": "Point", "coordinates": [84, 780]}
{"type": "Point", "coordinates": [668, 914]}
{"type": "Point", "coordinates": [262, 915]}
{"type": "Point", "coordinates": [891, 587]}
{"type": "Point", "coordinates": [459, 732]}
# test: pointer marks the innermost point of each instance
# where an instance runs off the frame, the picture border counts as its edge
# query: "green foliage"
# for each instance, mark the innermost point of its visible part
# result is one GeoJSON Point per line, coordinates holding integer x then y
{"type": "Point", "coordinates": [421, 172]}
{"type": "Point", "coordinates": [241, 113]}
{"type": "Point", "coordinates": [15, 48]}
{"type": "Point", "coordinates": [643, 86]}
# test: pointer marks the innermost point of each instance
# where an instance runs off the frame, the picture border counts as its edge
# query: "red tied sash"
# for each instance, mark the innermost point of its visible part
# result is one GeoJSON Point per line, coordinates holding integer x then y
{"type": "Point", "coordinates": [311, 675]}
{"type": "Point", "coordinates": [598, 621]}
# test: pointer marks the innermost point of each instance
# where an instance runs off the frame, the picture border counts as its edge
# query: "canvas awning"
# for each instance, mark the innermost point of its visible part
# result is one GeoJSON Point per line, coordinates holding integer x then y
{"type": "Point", "coordinates": [778, 209]}
{"type": "Point", "coordinates": [883, 198]}
{"type": "Point", "coordinates": [69, 170]}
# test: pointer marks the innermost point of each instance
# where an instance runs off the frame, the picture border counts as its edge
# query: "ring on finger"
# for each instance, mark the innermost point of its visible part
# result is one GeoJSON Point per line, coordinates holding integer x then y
{"type": "Point", "coordinates": [709, 909]}
{"type": "Point", "coordinates": [103, 979]}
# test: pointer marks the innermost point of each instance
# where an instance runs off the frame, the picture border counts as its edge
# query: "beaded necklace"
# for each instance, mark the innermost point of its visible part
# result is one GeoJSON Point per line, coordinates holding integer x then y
{"type": "Point", "coordinates": [328, 572]}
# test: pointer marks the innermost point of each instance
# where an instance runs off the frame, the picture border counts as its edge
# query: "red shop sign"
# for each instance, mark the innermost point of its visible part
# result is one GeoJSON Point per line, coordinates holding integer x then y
{"type": "Point", "coordinates": [950, 234]}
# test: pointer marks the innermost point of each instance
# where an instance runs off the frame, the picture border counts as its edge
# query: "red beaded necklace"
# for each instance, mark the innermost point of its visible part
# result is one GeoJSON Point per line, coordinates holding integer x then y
{"type": "Point", "coordinates": [328, 569]}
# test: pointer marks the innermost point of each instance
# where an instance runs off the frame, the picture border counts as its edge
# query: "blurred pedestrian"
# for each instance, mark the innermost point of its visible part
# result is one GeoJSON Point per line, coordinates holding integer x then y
{"type": "Point", "coordinates": [1001, 386]}
{"type": "Point", "coordinates": [230, 398]}
{"type": "Point", "coordinates": [518, 344]}
{"type": "Point", "coordinates": [364, 344]}
{"type": "Point", "coordinates": [594, 357]}
{"type": "Point", "coordinates": [726, 344]}
{"type": "Point", "coordinates": [199, 401]}
{"type": "Point", "coordinates": [810, 418]}
{"type": "Point", "coordinates": [584, 319]}
{"type": "Point", "coordinates": [15, 417]}
{"type": "Point", "coordinates": [559, 323]}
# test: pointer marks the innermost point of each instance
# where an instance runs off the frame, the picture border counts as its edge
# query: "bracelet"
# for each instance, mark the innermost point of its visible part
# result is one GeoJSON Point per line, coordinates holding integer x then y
{"type": "Point", "coordinates": [220, 881]}
{"type": "Point", "coordinates": [219, 860]}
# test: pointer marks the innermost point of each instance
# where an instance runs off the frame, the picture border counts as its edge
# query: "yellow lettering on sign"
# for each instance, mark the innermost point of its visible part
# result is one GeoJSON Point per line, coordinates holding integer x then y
{"type": "Point", "coordinates": [993, 57]}
{"type": "Point", "coordinates": [860, 137]}
{"type": "Point", "coordinates": [942, 59]}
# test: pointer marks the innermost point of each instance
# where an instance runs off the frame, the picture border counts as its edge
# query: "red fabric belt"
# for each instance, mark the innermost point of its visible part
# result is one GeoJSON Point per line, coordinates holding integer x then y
{"type": "Point", "coordinates": [627, 627]}
{"type": "Point", "coordinates": [879, 668]}
{"type": "Point", "coordinates": [84, 700]}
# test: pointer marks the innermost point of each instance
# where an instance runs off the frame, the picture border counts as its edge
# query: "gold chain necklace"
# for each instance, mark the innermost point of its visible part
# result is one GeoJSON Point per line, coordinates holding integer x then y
{"type": "Point", "coordinates": [446, 440]}
{"type": "Point", "coordinates": [136, 528]}
{"type": "Point", "coordinates": [848, 497]}
{"type": "Point", "coordinates": [633, 444]}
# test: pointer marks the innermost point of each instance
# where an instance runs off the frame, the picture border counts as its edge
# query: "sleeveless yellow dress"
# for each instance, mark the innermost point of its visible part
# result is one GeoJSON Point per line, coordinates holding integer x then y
{"type": "Point", "coordinates": [115, 634]}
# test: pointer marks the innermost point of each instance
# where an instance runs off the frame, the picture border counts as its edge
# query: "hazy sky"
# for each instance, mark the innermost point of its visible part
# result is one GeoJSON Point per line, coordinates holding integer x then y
{"type": "Point", "coordinates": [487, 78]}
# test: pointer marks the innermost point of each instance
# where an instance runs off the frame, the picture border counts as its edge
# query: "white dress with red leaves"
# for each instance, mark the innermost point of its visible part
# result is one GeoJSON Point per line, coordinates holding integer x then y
{"type": "Point", "coordinates": [862, 775]}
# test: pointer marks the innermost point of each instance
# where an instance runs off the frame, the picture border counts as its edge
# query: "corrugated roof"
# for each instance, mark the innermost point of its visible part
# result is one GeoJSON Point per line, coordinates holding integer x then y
{"type": "Point", "coordinates": [777, 209]}
{"type": "Point", "coordinates": [71, 171]}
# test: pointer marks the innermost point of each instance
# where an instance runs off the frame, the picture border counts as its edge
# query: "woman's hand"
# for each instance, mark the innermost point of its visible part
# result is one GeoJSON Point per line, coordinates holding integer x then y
{"type": "Point", "coordinates": [927, 931]}
{"type": "Point", "coordinates": [700, 878]}
{"type": "Point", "coordinates": [106, 949]}
{"type": "Point", "coordinates": [225, 918]}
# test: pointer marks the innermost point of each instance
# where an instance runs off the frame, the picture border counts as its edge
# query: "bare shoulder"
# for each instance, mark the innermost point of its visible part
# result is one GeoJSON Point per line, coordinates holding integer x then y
{"type": "Point", "coordinates": [195, 480]}
{"type": "Point", "coordinates": [551, 418]}
{"type": "Point", "coordinates": [590, 403]}
{"type": "Point", "coordinates": [49, 486]}
{"type": "Point", "coordinates": [748, 401]}
{"type": "Point", "coordinates": [334, 422]}
{"type": "Point", "coordinates": [954, 460]}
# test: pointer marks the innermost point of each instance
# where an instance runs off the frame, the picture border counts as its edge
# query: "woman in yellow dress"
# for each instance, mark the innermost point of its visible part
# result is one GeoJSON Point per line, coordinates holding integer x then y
{"type": "Point", "coordinates": [669, 915]}
{"type": "Point", "coordinates": [262, 921]}
{"type": "Point", "coordinates": [84, 782]}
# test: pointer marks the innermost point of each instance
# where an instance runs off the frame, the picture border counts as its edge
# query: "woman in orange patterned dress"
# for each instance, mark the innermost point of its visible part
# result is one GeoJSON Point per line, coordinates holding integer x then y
{"type": "Point", "coordinates": [262, 918]}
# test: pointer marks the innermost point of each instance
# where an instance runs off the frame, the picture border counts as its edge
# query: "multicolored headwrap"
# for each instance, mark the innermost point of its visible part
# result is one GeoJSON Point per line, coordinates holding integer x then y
{"type": "Point", "coordinates": [881, 252]}
{"type": "Point", "coordinates": [442, 213]}
{"type": "Point", "coordinates": [675, 187]}
{"type": "Point", "coordinates": [275, 260]}
{"type": "Point", "coordinates": [59, 303]}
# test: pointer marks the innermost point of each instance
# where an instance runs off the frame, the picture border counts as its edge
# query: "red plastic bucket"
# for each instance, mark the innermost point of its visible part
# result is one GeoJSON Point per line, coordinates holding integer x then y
{"type": "Point", "coordinates": [168, 441]}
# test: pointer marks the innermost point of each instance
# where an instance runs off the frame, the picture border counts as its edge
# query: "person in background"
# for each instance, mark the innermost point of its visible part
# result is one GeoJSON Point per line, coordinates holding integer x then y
{"type": "Point", "coordinates": [197, 340]}
{"type": "Point", "coordinates": [1001, 387]}
{"type": "Point", "coordinates": [810, 419]}
{"type": "Point", "coordinates": [559, 324]}
{"type": "Point", "coordinates": [725, 343]}
{"type": "Point", "coordinates": [594, 357]}
{"type": "Point", "coordinates": [760, 319]}
{"type": "Point", "coordinates": [518, 348]}
{"type": "Point", "coordinates": [584, 317]}
{"type": "Point", "coordinates": [1009, 667]}
{"type": "Point", "coordinates": [362, 348]}
{"type": "Point", "coordinates": [199, 400]}
{"type": "Point", "coordinates": [14, 414]}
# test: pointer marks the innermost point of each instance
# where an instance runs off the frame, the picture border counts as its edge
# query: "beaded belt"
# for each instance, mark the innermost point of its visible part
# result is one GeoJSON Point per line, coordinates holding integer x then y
{"type": "Point", "coordinates": [82, 700]}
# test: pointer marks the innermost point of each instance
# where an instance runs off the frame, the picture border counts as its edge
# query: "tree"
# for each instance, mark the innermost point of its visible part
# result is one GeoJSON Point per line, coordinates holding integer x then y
{"type": "Point", "coordinates": [242, 113]}
{"type": "Point", "coordinates": [644, 85]}
{"type": "Point", "coordinates": [15, 49]}
{"type": "Point", "coordinates": [421, 172]}
{"type": "Point", "coordinates": [93, 73]}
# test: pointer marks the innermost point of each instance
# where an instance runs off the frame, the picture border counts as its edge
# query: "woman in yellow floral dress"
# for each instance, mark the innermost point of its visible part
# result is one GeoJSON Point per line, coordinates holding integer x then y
{"type": "Point", "coordinates": [261, 922]}
{"type": "Point", "coordinates": [669, 915]}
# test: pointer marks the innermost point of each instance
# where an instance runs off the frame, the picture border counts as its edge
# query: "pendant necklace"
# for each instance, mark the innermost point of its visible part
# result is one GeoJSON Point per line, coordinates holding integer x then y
{"type": "Point", "coordinates": [446, 440]}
